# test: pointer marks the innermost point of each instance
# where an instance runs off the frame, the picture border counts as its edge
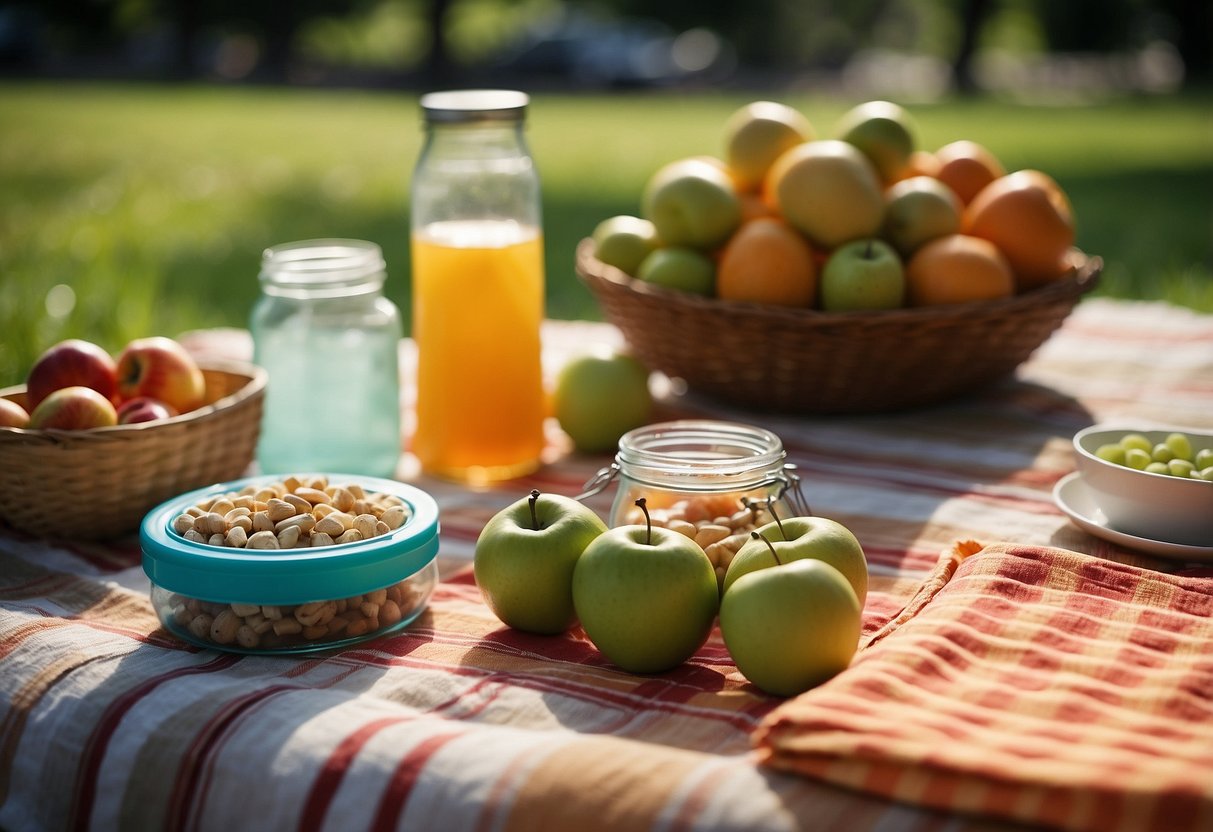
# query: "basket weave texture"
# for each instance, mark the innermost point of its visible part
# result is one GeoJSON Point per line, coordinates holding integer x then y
{"type": "Point", "coordinates": [781, 359]}
{"type": "Point", "coordinates": [98, 484]}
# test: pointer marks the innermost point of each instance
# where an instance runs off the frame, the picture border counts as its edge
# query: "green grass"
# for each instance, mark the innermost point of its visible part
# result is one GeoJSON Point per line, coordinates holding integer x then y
{"type": "Point", "coordinates": [153, 203]}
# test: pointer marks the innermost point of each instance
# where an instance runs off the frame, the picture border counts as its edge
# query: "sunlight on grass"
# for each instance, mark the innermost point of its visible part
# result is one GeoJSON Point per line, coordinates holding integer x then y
{"type": "Point", "coordinates": [152, 204]}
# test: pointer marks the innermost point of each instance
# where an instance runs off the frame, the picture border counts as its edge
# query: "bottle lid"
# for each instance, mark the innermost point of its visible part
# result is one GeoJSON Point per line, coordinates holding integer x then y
{"type": "Point", "coordinates": [463, 106]}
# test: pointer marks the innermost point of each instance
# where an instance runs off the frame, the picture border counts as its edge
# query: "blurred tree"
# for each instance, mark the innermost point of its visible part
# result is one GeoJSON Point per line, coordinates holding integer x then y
{"type": "Point", "coordinates": [973, 15]}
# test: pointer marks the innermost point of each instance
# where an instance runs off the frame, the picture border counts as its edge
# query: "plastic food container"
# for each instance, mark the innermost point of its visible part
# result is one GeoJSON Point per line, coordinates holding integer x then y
{"type": "Point", "coordinates": [290, 600]}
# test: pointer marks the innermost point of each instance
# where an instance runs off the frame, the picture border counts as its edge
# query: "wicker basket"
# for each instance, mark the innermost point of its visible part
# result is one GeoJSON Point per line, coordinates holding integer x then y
{"type": "Point", "coordinates": [96, 484]}
{"type": "Point", "coordinates": [804, 361]}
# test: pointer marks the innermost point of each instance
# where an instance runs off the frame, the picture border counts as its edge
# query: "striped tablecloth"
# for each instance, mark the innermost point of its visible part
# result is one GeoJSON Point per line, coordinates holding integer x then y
{"type": "Point", "coordinates": [107, 722]}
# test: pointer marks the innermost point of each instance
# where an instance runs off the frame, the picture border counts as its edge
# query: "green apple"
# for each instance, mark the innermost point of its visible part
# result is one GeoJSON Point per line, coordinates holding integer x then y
{"type": "Point", "coordinates": [865, 274]}
{"type": "Point", "coordinates": [598, 397]}
{"type": "Point", "coordinates": [691, 202]}
{"type": "Point", "coordinates": [524, 560]}
{"type": "Point", "coordinates": [791, 627]}
{"type": "Point", "coordinates": [624, 241]}
{"type": "Point", "coordinates": [883, 132]}
{"type": "Point", "coordinates": [646, 596]}
{"type": "Point", "coordinates": [797, 538]}
{"type": "Point", "coordinates": [919, 209]}
{"type": "Point", "coordinates": [684, 269]}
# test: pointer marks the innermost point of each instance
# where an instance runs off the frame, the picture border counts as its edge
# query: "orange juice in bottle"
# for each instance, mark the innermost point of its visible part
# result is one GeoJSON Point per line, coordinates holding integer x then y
{"type": "Point", "coordinates": [477, 271]}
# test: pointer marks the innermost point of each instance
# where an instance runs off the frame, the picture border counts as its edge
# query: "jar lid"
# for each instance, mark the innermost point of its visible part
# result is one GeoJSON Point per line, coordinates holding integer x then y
{"type": "Point", "coordinates": [287, 576]}
{"type": "Point", "coordinates": [455, 106]}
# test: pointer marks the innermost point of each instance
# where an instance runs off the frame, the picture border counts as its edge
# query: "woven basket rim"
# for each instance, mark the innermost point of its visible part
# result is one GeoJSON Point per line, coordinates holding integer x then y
{"type": "Point", "coordinates": [256, 379]}
{"type": "Point", "coordinates": [1081, 280]}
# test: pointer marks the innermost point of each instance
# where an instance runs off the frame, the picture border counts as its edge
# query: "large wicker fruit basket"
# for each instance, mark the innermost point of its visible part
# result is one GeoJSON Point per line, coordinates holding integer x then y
{"type": "Point", "coordinates": [96, 484]}
{"type": "Point", "coordinates": [805, 361]}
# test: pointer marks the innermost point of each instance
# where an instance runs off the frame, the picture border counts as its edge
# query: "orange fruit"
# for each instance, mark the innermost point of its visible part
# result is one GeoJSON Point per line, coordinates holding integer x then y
{"type": "Point", "coordinates": [754, 206]}
{"type": "Point", "coordinates": [957, 269]}
{"type": "Point", "coordinates": [767, 261]}
{"type": "Point", "coordinates": [758, 134]}
{"type": "Point", "coordinates": [1027, 215]}
{"type": "Point", "coordinates": [966, 167]}
{"type": "Point", "coordinates": [922, 163]}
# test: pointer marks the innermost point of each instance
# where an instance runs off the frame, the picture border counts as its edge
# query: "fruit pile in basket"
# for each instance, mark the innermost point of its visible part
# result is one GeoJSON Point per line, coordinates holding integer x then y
{"type": "Point", "coordinates": [864, 219]}
{"type": "Point", "coordinates": [77, 385]}
{"type": "Point", "coordinates": [121, 433]}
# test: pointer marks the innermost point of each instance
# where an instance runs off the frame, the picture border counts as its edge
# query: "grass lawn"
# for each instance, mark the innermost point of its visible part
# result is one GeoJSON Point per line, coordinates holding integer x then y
{"type": "Point", "coordinates": [132, 210]}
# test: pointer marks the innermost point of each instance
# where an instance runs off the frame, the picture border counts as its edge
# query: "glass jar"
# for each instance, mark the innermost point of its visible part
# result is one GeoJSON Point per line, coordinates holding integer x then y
{"type": "Point", "coordinates": [328, 339]}
{"type": "Point", "coordinates": [478, 275]}
{"type": "Point", "coordinates": [703, 472]}
{"type": "Point", "coordinates": [291, 600]}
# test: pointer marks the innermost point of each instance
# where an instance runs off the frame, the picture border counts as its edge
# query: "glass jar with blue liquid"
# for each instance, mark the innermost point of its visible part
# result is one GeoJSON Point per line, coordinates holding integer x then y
{"type": "Point", "coordinates": [328, 338]}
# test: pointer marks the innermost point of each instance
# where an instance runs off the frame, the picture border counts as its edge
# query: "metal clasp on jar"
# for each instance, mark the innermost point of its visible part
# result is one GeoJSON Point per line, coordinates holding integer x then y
{"type": "Point", "coordinates": [598, 483]}
{"type": "Point", "coordinates": [788, 480]}
{"type": "Point", "coordinates": [790, 490]}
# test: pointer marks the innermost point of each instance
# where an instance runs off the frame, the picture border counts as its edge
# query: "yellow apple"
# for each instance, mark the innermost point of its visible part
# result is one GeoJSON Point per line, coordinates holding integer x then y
{"type": "Point", "coordinates": [828, 190]}
{"type": "Point", "coordinates": [758, 134]}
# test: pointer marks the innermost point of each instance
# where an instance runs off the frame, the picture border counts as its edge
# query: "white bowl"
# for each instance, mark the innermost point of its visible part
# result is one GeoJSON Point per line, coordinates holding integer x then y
{"type": "Point", "coordinates": [1154, 506]}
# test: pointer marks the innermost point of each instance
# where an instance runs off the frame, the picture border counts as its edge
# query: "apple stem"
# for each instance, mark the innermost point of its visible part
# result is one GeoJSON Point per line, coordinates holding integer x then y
{"type": "Point", "coordinates": [867, 252]}
{"type": "Point", "coordinates": [770, 546]}
{"type": "Point", "coordinates": [534, 515]}
{"type": "Point", "coordinates": [778, 522]}
{"type": "Point", "coordinates": [648, 521]}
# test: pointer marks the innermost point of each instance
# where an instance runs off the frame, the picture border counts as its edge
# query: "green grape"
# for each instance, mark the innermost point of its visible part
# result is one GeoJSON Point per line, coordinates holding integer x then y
{"type": "Point", "coordinates": [1180, 445]}
{"type": "Point", "coordinates": [1135, 440]}
{"type": "Point", "coordinates": [1207, 474]}
{"type": "Point", "coordinates": [1204, 458]}
{"type": "Point", "coordinates": [1157, 468]}
{"type": "Point", "coordinates": [1111, 453]}
{"type": "Point", "coordinates": [1180, 468]}
{"type": "Point", "coordinates": [1137, 458]}
{"type": "Point", "coordinates": [1162, 453]}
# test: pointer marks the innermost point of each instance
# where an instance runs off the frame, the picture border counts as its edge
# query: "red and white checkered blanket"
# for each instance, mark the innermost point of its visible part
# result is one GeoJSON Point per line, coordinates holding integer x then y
{"type": "Point", "coordinates": [1051, 678]}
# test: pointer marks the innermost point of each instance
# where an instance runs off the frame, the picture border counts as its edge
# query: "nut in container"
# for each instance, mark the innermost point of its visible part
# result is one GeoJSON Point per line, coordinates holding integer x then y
{"type": "Point", "coordinates": [713, 481]}
{"type": "Point", "coordinates": [286, 565]}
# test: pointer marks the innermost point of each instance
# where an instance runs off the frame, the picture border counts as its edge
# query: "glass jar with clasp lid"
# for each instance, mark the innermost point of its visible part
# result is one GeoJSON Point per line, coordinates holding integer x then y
{"type": "Point", "coordinates": [713, 481]}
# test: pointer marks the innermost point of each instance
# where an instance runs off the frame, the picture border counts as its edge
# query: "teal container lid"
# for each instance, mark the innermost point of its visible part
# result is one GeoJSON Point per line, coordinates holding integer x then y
{"type": "Point", "coordinates": [287, 576]}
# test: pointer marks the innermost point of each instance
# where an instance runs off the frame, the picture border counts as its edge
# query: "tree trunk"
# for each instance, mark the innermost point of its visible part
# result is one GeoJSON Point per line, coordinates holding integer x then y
{"type": "Point", "coordinates": [973, 14]}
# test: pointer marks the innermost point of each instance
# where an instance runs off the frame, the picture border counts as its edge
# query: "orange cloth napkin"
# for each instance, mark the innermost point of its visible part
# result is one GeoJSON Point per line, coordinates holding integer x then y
{"type": "Point", "coordinates": [1029, 683]}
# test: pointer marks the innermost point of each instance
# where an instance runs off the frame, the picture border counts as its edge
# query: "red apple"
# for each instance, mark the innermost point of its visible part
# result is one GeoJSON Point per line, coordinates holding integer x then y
{"type": "Point", "coordinates": [71, 363]}
{"type": "Point", "coordinates": [160, 368]}
{"type": "Point", "coordinates": [12, 415]}
{"type": "Point", "coordinates": [74, 408]}
{"type": "Point", "coordinates": [143, 409]}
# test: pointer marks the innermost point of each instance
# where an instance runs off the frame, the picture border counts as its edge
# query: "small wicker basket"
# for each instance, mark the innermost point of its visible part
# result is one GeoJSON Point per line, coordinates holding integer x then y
{"type": "Point", "coordinates": [805, 361]}
{"type": "Point", "coordinates": [97, 484]}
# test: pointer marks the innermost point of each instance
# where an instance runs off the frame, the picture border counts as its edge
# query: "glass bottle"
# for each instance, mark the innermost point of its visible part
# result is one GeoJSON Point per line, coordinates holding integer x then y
{"type": "Point", "coordinates": [328, 339]}
{"type": "Point", "coordinates": [702, 470]}
{"type": "Point", "coordinates": [478, 275]}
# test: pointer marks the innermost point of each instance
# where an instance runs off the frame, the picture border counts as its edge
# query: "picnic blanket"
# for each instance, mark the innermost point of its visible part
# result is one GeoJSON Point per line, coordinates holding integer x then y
{"type": "Point", "coordinates": [108, 722]}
